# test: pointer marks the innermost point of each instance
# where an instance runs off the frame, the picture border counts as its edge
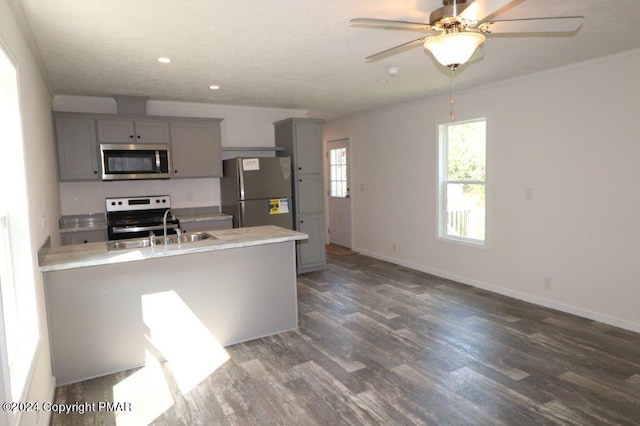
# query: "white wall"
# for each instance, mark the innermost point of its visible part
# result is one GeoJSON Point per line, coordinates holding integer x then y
{"type": "Point", "coordinates": [241, 127]}
{"type": "Point", "coordinates": [571, 135]}
{"type": "Point", "coordinates": [35, 108]}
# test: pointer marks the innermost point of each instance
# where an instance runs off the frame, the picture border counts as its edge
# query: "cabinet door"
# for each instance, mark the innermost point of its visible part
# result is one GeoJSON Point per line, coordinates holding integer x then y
{"type": "Point", "coordinates": [308, 142]}
{"type": "Point", "coordinates": [152, 132]}
{"type": "Point", "coordinates": [195, 148]}
{"type": "Point", "coordinates": [115, 131]}
{"type": "Point", "coordinates": [309, 192]}
{"type": "Point", "coordinates": [77, 149]}
{"type": "Point", "coordinates": [311, 253]}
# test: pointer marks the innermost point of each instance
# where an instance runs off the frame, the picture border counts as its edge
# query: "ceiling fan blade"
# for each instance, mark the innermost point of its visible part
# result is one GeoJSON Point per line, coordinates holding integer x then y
{"type": "Point", "coordinates": [396, 49]}
{"type": "Point", "coordinates": [393, 24]}
{"type": "Point", "coordinates": [480, 9]}
{"type": "Point", "coordinates": [565, 24]}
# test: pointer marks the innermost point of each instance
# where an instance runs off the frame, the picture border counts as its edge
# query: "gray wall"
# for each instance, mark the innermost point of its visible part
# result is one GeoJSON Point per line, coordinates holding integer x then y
{"type": "Point", "coordinates": [42, 188]}
{"type": "Point", "coordinates": [570, 134]}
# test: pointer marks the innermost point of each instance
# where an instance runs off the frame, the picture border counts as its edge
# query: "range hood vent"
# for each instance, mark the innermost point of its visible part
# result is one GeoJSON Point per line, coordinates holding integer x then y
{"type": "Point", "coordinates": [131, 105]}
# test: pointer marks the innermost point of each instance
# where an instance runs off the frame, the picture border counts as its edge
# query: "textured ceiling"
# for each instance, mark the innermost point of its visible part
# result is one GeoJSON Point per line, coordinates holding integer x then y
{"type": "Point", "coordinates": [292, 53]}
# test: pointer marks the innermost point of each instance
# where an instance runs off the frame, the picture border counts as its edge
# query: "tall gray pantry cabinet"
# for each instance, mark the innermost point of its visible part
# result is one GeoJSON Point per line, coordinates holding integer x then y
{"type": "Point", "coordinates": [301, 139]}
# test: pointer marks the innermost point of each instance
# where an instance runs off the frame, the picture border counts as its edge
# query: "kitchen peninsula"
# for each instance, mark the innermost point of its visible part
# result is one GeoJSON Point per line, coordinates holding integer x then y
{"type": "Point", "coordinates": [238, 286]}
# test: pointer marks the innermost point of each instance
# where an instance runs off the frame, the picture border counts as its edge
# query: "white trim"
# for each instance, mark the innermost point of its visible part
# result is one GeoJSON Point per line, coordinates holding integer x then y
{"type": "Point", "coordinates": [541, 301]}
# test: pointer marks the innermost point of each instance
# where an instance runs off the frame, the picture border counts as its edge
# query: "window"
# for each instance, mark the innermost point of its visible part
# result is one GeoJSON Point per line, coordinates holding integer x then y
{"type": "Point", "coordinates": [20, 336]}
{"type": "Point", "coordinates": [338, 172]}
{"type": "Point", "coordinates": [462, 183]}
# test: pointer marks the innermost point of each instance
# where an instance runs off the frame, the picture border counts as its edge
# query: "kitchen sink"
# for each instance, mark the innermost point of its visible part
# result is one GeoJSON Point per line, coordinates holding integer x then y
{"type": "Point", "coordinates": [135, 243]}
{"type": "Point", "coordinates": [186, 238]}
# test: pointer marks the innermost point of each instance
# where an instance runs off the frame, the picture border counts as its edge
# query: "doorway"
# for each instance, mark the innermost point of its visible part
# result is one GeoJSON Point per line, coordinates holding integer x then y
{"type": "Point", "coordinates": [339, 197]}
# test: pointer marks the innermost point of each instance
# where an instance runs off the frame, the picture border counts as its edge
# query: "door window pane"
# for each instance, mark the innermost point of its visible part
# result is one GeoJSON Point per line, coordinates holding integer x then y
{"type": "Point", "coordinates": [338, 172]}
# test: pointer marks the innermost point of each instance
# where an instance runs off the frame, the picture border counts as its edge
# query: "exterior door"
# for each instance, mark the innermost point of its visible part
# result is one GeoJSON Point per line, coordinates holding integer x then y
{"type": "Point", "coordinates": [339, 198]}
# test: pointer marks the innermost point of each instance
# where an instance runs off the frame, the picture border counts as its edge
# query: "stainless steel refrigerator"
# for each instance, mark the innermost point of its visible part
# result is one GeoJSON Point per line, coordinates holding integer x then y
{"type": "Point", "coordinates": [257, 191]}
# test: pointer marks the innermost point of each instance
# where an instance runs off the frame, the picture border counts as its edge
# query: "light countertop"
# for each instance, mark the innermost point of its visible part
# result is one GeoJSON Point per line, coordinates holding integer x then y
{"type": "Point", "coordinates": [98, 222]}
{"type": "Point", "coordinates": [83, 222]}
{"type": "Point", "coordinates": [197, 214]}
{"type": "Point", "coordinates": [91, 254]}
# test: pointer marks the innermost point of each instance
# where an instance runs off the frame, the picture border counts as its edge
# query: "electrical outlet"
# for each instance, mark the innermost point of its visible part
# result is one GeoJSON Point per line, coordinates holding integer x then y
{"type": "Point", "coordinates": [528, 194]}
{"type": "Point", "coordinates": [77, 202]}
{"type": "Point", "coordinates": [44, 221]}
{"type": "Point", "coordinates": [547, 283]}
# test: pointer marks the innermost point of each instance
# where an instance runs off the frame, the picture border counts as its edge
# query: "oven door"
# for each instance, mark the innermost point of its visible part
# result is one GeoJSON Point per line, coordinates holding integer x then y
{"type": "Point", "coordinates": [116, 232]}
{"type": "Point", "coordinates": [134, 161]}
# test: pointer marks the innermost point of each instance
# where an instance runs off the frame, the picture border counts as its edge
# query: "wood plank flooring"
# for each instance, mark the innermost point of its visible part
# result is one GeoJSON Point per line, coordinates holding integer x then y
{"type": "Point", "coordinates": [382, 344]}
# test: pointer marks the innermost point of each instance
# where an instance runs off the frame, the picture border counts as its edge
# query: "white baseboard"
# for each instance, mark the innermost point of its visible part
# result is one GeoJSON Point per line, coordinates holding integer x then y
{"type": "Point", "coordinates": [548, 303]}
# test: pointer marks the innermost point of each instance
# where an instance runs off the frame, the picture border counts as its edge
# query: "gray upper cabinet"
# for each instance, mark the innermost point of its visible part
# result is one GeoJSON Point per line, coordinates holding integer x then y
{"type": "Point", "coordinates": [301, 139]}
{"type": "Point", "coordinates": [195, 146]}
{"type": "Point", "coordinates": [133, 131]}
{"type": "Point", "coordinates": [77, 149]}
{"type": "Point", "coordinates": [195, 142]}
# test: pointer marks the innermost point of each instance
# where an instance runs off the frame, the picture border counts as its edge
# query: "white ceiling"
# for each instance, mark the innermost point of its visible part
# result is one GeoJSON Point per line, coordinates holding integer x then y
{"type": "Point", "coordinates": [292, 53]}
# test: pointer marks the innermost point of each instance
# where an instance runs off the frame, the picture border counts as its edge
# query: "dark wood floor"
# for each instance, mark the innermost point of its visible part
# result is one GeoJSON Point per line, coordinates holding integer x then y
{"type": "Point", "coordinates": [383, 344]}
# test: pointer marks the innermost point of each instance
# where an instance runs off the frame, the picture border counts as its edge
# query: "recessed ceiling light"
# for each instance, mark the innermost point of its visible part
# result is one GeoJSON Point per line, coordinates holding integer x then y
{"type": "Point", "coordinates": [164, 60]}
{"type": "Point", "coordinates": [214, 87]}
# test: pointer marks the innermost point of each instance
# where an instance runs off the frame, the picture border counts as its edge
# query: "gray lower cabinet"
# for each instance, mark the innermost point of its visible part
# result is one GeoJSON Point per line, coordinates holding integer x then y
{"type": "Point", "coordinates": [195, 147]}
{"type": "Point", "coordinates": [107, 318]}
{"type": "Point", "coordinates": [301, 139]}
{"type": "Point", "coordinates": [83, 237]}
{"type": "Point", "coordinates": [77, 149]}
{"type": "Point", "coordinates": [309, 191]}
{"type": "Point", "coordinates": [311, 253]}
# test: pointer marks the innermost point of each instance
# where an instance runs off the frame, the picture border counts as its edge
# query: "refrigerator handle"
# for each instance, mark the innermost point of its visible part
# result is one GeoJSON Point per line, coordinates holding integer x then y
{"type": "Point", "coordinates": [242, 213]}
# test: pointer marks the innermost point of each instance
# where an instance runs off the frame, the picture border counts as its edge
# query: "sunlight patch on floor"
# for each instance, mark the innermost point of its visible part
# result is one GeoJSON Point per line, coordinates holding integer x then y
{"type": "Point", "coordinates": [148, 392]}
{"type": "Point", "coordinates": [191, 350]}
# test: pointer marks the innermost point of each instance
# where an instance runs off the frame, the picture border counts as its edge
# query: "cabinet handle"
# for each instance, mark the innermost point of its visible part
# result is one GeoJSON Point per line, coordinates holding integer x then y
{"type": "Point", "coordinates": [130, 136]}
{"type": "Point", "coordinates": [302, 221]}
{"type": "Point", "coordinates": [175, 171]}
{"type": "Point", "coordinates": [86, 241]}
{"type": "Point", "coordinates": [95, 172]}
{"type": "Point", "coordinates": [299, 168]}
{"type": "Point", "coordinates": [138, 136]}
{"type": "Point", "coordinates": [300, 180]}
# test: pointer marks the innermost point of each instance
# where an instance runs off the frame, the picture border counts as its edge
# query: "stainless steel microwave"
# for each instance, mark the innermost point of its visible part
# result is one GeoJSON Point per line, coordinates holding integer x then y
{"type": "Point", "coordinates": [135, 161]}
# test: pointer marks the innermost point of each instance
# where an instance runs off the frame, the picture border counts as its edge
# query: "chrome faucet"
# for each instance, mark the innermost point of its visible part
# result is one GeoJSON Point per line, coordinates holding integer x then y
{"type": "Point", "coordinates": [164, 226]}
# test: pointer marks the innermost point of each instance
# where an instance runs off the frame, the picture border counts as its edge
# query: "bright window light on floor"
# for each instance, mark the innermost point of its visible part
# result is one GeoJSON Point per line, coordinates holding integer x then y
{"type": "Point", "coordinates": [148, 392]}
{"type": "Point", "coordinates": [191, 352]}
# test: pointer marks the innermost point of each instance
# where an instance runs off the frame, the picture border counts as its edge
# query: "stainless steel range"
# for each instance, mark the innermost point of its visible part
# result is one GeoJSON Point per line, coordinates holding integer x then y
{"type": "Point", "coordinates": [134, 217]}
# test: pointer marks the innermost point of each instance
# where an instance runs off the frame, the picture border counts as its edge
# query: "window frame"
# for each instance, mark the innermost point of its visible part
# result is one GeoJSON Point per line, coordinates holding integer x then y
{"type": "Point", "coordinates": [442, 181]}
{"type": "Point", "coordinates": [18, 356]}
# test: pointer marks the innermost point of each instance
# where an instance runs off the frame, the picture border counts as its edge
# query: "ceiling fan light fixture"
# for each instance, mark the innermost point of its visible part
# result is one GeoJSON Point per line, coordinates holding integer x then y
{"type": "Point", "coordinates": [454, 49]}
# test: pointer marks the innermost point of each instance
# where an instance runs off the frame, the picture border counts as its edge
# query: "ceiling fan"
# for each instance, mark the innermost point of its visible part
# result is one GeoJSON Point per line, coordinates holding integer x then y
{"type": "Point", "coordinates": [460, 26]}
